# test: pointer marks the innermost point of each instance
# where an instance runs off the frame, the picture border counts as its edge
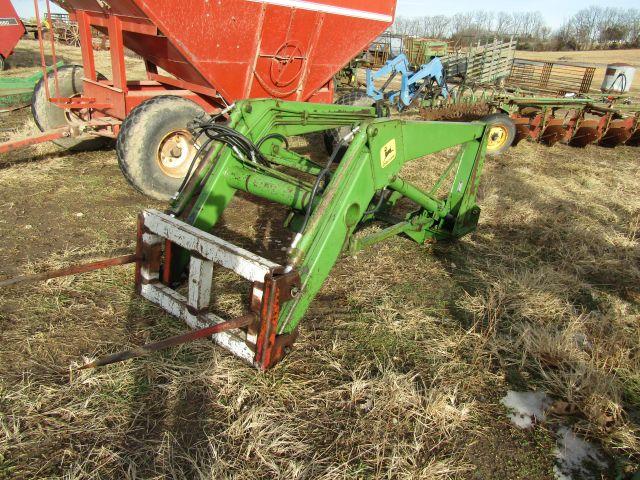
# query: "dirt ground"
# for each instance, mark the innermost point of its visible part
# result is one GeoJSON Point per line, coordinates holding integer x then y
{"type": "Point", "coordinates": [402, 360]}
{"type": "Point", "coordinates": [599, 58]}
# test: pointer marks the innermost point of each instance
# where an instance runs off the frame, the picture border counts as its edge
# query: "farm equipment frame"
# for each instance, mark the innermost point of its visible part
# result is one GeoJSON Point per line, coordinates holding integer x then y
{"type": "Point", "coordinates": [292, 54]}
{"type": "Point", "coordinates": [327, 205]}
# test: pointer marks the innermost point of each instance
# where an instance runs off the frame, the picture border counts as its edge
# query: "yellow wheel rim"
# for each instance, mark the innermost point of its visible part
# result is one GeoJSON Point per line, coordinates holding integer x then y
{"type": "Point", "coordinates": [498, 136]}
{"type": "Point", "coordinates": [175, 153]}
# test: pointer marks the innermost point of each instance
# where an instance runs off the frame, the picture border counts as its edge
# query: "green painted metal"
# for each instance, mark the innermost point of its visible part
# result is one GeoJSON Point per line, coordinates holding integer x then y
{"type": "Point", "coordinates": [420, 51]}
{"type": "Point", "coordinates": [19, 90]}
{"type": "Point", "coordinates": [602, 119]}
{"type": "Point", "coordinates": [513, 100]}
{"type": "Point", "coordinates": [363, 187]}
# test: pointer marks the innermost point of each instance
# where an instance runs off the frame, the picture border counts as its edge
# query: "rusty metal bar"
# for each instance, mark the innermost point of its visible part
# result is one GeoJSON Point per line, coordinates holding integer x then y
{"type": "Point", "coordinates": [72, 270]}
{"type": "Point", "coordinates": [62, 132]}
{"type": "Point", "coordinates": [239, 322]}
{"type": "Point", "coordinates": [554, 77]}
{"type": "Point", "coordinates": [106, 125]}
{"type": "Point", "coordinates": [52, 37]}
{"type": "Point", "coordinates": [43, 60]}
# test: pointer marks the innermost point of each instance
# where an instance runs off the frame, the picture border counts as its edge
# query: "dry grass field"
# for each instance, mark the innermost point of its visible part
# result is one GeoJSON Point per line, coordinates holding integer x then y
{"type": "Point", "coordinates": [402, 360]}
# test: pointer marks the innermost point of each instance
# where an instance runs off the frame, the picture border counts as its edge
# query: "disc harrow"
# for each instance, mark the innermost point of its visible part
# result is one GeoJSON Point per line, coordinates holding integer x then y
{"type": "Point", "coordinates": [578, 122]}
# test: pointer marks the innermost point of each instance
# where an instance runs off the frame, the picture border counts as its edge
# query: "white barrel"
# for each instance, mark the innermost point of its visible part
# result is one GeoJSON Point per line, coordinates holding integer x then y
{"type": "Point", "coordinates": [618, 78]}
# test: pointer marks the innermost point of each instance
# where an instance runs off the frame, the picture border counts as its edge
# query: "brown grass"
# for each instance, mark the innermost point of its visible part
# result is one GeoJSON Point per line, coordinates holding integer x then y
{"type": "Point", "coordinates": [402, 359]}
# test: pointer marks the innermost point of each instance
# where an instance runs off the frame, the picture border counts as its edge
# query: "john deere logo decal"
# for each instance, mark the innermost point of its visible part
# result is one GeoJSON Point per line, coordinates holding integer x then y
{"type": "Point", "coordinates": [388, 153]}
{"type": "Point", "coordinates": [7, 22]}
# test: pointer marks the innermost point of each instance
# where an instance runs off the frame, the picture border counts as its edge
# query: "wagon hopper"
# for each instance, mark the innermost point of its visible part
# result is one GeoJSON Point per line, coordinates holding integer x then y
{"type": "Point", "coordinates": [226, 51]}
{"type": "Point", "coordinates": [11, 29]}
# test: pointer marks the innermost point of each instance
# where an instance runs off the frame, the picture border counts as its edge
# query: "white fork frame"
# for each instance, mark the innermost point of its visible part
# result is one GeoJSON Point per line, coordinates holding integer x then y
{"type": "Point", "coordinates": [206, 250]}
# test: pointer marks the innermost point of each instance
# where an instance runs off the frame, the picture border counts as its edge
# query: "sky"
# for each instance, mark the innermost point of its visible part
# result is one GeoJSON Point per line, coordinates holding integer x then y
{"type": "Point", "coordinates": [555, 11]}
{"type": "Point", "coordinates": [25, 7]}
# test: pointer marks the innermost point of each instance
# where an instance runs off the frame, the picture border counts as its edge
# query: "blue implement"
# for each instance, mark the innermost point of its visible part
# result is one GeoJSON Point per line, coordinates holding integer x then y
{"type": "Point", "coordinates": [412, 81]}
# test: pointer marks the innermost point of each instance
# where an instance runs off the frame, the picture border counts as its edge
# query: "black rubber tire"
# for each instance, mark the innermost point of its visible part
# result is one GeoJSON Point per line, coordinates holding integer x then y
{"type": "Point", "coordinates": [141, 135]}
{"type": "Point", "coordinates": [48, 116]}
{"type": "Point", "coordinates": [501, 120]}
{"type": "Point", "coordinates": [356, 98]}
{"type": "Point", "coordinates": [3, 63]}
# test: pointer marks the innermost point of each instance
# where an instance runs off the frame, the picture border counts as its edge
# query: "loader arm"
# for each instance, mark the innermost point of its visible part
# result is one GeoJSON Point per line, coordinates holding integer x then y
{"type": "Point", "coordinates": [363, 187]}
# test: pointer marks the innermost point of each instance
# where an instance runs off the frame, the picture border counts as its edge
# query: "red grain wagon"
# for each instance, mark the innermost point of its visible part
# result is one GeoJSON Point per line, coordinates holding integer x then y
{"type": "Point", "coordinates": [200, 56]}
{"type": "Point", "coordinates": [11, 30]}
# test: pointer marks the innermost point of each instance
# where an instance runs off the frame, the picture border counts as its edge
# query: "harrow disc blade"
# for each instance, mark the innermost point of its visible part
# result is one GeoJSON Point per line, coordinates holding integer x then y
{"type": "Point", "coordinates": [586, 133]}
{"type": "Point", "coordinates": [523, 129]}
{"type": "Point", "coordinates": [618, 133]}
{"type": "Point", "coordinates": [634, 140]}
{"type": "Point", "coordinates": [555, 132]}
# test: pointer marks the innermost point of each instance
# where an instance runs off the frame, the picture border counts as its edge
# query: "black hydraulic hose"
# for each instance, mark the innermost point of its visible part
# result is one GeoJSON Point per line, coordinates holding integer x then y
{"type": "Point", "coordinates": [270, 136]}
{"type": "Point", "coordinates": [314, 191]}
{"type": "Point", "coordinates": [383, 196]}
{"type": "Point", "coordinates": [216, 132]}
{"type": "Point", "coordinates": [233, 139]}
{"type": "Point", "coordinates": [323, 173]}
{"type": "Point", "coordinates": [199, 153]}
{"type": "Point", "coordinates": [623, 84]}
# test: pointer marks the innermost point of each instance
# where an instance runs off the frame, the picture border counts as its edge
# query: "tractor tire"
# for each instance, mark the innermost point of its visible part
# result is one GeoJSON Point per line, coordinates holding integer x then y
{"type": "Point", "coordinates": [502, 133]}
{"type": "Point", "coordinates": [48, 116]}
{"type": "Point", "coordinates": [332, 138]}
{"type": "Point", "coordinates": [155, 148]}
{"type": "Point", "coordinates": [3, 63]}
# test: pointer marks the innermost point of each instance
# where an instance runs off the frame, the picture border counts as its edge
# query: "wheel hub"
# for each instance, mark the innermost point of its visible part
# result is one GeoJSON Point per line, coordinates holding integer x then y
{"type": "Point", "coordinates": [498, 135]}
{"type": "Point", "coordinates": [175, 152]}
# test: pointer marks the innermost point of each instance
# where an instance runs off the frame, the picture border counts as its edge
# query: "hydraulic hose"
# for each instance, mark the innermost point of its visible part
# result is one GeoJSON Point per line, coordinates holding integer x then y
{"type": "Point", "coordinates": [323, 173]}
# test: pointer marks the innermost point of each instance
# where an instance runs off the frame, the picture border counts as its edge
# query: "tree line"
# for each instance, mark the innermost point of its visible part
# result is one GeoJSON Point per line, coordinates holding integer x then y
{"type": "Point", "coordinates": [589, 28]}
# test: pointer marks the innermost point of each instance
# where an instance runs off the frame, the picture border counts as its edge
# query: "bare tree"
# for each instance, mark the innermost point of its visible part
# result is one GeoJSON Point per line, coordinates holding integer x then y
{"type": "Point", "coordinates": [436, 26]}
{"type": "Point", "coordinates": [504, 24]}
{"type": "Point", "coordinates": [601, 26]}
{"type": "Point", "coordinates": [589, 27]}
